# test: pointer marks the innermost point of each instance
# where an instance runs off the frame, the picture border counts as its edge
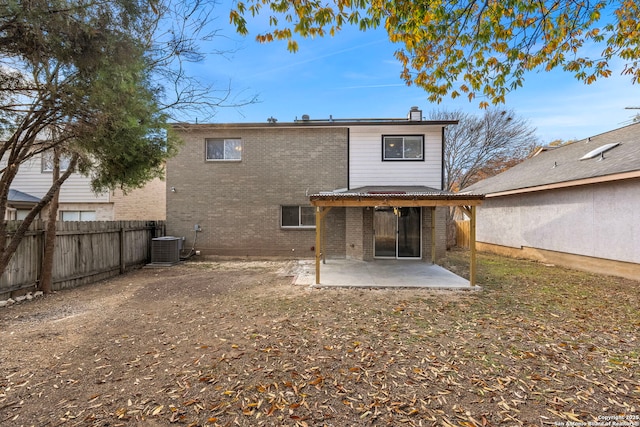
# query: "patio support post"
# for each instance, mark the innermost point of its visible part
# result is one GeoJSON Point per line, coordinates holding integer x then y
{"type": "Point", "coordinates": [472, 247]}
{"type": "Point", "coordinates": [318, 239]}
{"type": "Point", "coordinates": [323, 241]}
{"type": "Point", "coordinates": [320, 214]}
{"type": "Point", "coordinates": [433, 235]}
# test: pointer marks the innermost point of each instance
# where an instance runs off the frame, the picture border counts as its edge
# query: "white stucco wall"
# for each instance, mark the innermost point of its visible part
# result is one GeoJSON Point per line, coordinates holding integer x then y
{"type": "Point", "coordinates": [600, 220]}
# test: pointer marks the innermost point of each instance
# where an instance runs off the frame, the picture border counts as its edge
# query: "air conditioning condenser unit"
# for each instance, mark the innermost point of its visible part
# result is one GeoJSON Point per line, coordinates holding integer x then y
{"type": "Point", "coordinates": [166, 250]}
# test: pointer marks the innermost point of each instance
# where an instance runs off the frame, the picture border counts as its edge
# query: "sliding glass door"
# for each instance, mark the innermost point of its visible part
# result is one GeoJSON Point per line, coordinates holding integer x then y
{"type": "Point", "coordinates": [397, 232]}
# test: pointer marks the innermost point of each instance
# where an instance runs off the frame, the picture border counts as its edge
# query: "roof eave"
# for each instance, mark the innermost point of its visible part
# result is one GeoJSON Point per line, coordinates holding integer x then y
{"type": "Point", "coordinates": [315, 123]}
{"type": "Point", "coordinates": [397, 200]}
{"type": "Point", "coordinates": [567, 184]}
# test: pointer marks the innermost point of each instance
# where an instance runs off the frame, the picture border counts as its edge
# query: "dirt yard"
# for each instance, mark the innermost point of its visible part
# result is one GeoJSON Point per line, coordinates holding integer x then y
{"type": "Point", "coordinates": [235, 343]}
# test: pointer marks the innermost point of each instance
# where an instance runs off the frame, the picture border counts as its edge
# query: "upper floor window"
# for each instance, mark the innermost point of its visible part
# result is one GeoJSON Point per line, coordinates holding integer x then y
{"type": "Point", "coordinates": [224, 149]}
{"type": "Point", "coordinates": [298, 216]}
{"type": "Point", "coordinates": [47, 162]}
{"type": "Point", "coordinates": [403, 147]}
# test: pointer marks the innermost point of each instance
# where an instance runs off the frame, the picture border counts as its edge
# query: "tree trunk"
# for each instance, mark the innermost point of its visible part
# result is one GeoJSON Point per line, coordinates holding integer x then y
{"type": "Point", "coordinates": [451, 229]}
{"type": "Point", "coordinates": [46, 281]}
{"type": "Point", "coordinates": [10, 249]}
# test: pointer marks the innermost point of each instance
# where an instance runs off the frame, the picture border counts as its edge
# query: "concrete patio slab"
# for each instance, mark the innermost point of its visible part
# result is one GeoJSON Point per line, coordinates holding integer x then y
{"type": "Point", "coordinates": [379, 274]}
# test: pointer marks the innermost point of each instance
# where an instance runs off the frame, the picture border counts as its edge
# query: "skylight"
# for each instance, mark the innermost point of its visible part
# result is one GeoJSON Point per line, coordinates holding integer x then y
{"type": "Point", "coordinates": [600, 150]}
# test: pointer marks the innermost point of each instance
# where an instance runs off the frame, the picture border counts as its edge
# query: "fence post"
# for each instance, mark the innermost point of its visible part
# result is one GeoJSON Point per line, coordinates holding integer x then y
{"type": "Point", "coordinates": [122, 252]}
{"type": "Point", "coordinates": [38, 262]}
{"type": "Point", "coordinates": [77, 245]}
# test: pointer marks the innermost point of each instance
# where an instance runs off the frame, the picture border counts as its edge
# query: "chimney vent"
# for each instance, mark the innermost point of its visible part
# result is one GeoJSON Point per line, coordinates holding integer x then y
{"type": "Point", "coordinates": [415, 114]}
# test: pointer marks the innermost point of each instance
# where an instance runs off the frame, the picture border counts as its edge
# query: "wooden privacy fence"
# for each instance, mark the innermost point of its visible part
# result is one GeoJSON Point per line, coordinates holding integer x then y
{"type": "Point", "coordinates": [85, 252]}
{"type": "Point", "coordinates": [463, 233]}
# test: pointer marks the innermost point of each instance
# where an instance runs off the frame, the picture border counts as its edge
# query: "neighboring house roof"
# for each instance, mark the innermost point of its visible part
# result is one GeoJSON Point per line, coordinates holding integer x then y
{"type": "Point", "coordinates": [16, 196]}
{"type": "Point", "coordinates": [606, 157]}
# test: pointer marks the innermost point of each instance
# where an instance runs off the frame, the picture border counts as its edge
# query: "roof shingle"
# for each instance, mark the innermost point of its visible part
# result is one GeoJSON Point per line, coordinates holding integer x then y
{"type": "Point", "coordinates": [553, 165]}
{"type": "Point", "coordinates": [19, 196]}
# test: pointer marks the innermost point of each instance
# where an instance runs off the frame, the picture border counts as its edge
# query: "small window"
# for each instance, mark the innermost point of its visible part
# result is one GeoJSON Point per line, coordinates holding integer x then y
{"type": "Point", "coordinates": [298, 216]}
{"type": "Point", "coordinates": [407, 147]}
{"type": "Point", "coordinates": [47, 162]}
{"type": "Point", "coordinates": [224, 149]}
{"type": "Point", "coordinates": [21, 214]}
{"type": "Point", "coordinates": [77, 215]}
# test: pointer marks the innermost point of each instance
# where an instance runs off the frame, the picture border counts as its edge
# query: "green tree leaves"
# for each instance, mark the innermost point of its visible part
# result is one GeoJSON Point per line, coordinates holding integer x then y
{"type": "Point", "coordinates": [77, 78]}
{"type": "Point", "coordinates": [475, 48]}
{"type": "Point", "coordinates": [81, 72]}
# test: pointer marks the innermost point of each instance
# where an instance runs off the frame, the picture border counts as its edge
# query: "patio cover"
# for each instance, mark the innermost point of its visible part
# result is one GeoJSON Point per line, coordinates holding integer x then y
{"type": "Point", "coordinates": [402, 196]}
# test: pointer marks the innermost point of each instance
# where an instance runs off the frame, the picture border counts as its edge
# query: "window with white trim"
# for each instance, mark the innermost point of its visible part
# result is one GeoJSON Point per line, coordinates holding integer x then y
{"type": "Point", "coordinates": [403, 147]}
{"type": "Point", "coordinates": [47, 162]}
{"type": "Point", "coordinates": [13, 214]}
{"type": "Point", "coordinates": [298, 217]}
{"type": "Point", "coordinates": [223, 149]}
{"type": "Point", "coordinates": [21, 214]}
{"type": "Point", "coordinates": [77, 215]}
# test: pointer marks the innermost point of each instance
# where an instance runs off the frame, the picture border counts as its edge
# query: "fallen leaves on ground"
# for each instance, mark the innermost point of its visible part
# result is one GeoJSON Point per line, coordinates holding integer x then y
{"type": "Point", "coordinates": [235, 344]}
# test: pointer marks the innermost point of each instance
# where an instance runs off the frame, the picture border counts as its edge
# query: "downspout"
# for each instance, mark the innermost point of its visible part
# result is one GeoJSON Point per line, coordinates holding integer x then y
{"type": "Point", "coordinates": [348, 158]}
{"type": "Point", "coordinates": [442, 159]}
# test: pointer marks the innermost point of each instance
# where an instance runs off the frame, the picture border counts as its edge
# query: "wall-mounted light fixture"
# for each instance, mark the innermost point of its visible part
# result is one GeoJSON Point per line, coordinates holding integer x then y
{"type": "Point", "coordinates": [173, 189]}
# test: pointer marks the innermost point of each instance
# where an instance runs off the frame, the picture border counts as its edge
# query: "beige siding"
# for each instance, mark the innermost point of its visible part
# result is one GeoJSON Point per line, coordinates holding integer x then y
{"type": "Point", "coordinates": [77, 189]}
{"type": "Point", "coordinates": [147, 203]}
{"type": "Point", "coordinates": [365, 158]}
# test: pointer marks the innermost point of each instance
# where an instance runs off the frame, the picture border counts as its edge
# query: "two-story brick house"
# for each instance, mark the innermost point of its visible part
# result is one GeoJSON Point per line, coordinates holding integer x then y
{"type": "Point", "coordinates": [258, 189]}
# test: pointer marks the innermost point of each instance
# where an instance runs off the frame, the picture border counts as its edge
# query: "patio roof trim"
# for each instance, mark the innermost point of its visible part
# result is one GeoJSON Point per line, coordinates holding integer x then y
{"type": "Point", "coordinates": [395, 199]}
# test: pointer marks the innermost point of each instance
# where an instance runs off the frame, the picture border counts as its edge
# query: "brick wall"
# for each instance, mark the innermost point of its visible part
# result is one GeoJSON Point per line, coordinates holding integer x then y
{"type": "Point", "coordinates": [335, 233]}
{"type": "Point", "coordinates": [441, 238]}
{"type": "Point", "coordinates": [354, 233]}
{"type": "Point", "coordinates": [367, 237]}
{"type": "Point", "coordinates": [237, 204]}
{"type": "Point", "coordinates": [359, 233]}
{"type": "Point", "coordinates": [146, 203]}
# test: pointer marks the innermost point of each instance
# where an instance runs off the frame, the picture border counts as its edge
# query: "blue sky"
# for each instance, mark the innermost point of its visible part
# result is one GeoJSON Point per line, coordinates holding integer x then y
{"type": "Point", "coordinates": [355, 75]}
